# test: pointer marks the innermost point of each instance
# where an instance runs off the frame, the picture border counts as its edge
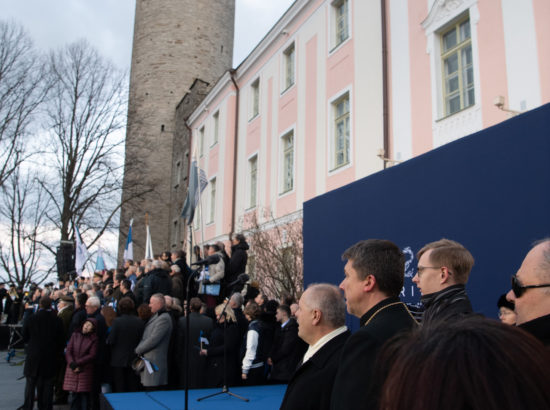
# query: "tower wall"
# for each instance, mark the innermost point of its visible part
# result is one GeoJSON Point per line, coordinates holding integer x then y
{"type": "Point", "coordinates": [175, 41]}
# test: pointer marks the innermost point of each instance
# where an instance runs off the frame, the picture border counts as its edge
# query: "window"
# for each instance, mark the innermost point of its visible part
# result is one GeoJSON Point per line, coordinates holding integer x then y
{"type": "Point", "coordinates": [287, 162]}
{"type": "Point", "coordinates": [340, 11]}
{"type": "Point", "coordinates": [201, 141]}
{"type": "Point", "coordinates": [215, 136]}
{"type": "Point", "coordinates": [341, 146]}
{"type": "Point", "coordinates": [289, 70]}
{"type": "Point", "coordinates": [253, 172]}
{"type": "Point", "coordinates": [255, 98]}
{"type": "Point", "coordinates": [458, 71]}
{"type": "Point", "coordinates": [212, 209]}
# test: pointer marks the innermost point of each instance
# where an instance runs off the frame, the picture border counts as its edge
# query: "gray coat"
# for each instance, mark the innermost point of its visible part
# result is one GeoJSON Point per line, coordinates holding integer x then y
{"type": "Point", "coordinates": [154, 347]}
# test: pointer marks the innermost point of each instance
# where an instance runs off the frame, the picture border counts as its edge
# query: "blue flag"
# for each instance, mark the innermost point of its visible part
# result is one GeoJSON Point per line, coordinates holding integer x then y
{"type": "Point", "coordinates": [197, 184]}
{"type": "Point", "coordinates": [129, 248]}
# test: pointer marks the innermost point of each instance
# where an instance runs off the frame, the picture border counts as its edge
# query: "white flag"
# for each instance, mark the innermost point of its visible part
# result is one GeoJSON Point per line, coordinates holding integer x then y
{"type": "Point", "coordinates": [81, 253]}
{"type": "Point", "coordinates": [129, 248]}
{"type": "Point", "coordinates": [148, 244]}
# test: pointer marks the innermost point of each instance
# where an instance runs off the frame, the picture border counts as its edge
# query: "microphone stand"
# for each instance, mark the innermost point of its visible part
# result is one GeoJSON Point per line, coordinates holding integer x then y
{"type": "Point", "coordinates": [225, 389]}
{"type": "Point", "coordinates": [188, 334]}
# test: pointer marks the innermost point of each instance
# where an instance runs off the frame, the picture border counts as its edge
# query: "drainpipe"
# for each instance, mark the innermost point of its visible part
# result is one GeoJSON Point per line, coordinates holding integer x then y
{"type": "Point", "coordinates": [385, 112]}
{"type": "Point", "coordinates": [232, 73]}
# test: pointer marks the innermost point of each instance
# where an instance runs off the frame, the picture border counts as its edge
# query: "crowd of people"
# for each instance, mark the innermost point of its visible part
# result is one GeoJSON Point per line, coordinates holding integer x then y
{"type": "Point", "coordinates": [127, 330]}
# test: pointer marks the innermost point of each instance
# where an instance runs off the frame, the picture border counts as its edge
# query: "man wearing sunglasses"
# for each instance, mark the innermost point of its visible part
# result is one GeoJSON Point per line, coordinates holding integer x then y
{"type": "Point", "coordinates": [443, 270]}
{"type": "Point", "coordinates": [531, 292]}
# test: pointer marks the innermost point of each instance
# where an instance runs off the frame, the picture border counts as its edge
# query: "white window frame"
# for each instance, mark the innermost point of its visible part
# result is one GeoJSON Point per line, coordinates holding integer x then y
{"type": "Point", "coordinates": [212, 182]}
{"type": "Point", "coordinates": [252, 192]}
{"type": "Point", "coordinates": [215, 128]}
{"type": "Point", "coordinates": [332, 117]}
{"type": "Point", "coordinates": [288, 67]}
{"type": "Point", "coordinates": [445, 55]}
{"type": "Point", "coordinates": [335, 42]}
{"type": "Point", "coordinates": [254, 99]}
{"type": "Point", "coordinates": [201, 141]}
{"type": "Point", "coordinates": [283, 189]}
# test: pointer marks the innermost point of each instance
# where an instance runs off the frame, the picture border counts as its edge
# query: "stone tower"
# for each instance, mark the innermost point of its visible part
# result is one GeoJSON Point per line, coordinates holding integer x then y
{"type": "Point", "coordinates": [175, 42]}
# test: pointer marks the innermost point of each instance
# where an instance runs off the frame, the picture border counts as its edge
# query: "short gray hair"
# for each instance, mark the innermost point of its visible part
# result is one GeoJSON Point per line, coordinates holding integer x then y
{"type": "Point", "coordinates": [156, 264]}
{"type": "Point", "coordinates": [175, 268]}
{"type": "Point", "coordinates": [93, 301]}
{"type": "Point", "coordinates": [160, 298]}
{"type": "Point", "coordinates": [330, 301]}
{"type": "Point", "coordinates": [237, 298]}
{"type": "Point", "coordinates": [544, 266]}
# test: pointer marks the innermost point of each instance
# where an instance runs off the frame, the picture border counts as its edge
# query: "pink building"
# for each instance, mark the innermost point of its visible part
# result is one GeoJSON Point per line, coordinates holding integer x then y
{"type": "Point", "coordinates": [339, 89]}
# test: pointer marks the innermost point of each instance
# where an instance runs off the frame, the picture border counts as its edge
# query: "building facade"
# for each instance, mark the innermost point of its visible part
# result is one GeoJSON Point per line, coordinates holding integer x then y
{"type": "Point", "coordinates": [338, 90]}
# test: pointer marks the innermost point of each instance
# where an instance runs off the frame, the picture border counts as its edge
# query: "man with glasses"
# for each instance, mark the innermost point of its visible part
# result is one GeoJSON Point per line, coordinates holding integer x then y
{"type": "Point", "coordinates": [443, 270]}
{"type": "Point", "coordinates": [531, 292]}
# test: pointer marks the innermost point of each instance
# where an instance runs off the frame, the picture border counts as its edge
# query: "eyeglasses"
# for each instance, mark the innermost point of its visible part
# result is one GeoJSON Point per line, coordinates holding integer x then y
{"type": "Point", "coordinates": [520, 290]}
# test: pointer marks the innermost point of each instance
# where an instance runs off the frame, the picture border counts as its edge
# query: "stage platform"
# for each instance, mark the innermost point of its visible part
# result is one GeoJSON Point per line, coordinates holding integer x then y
{"type": "Point", "coordinates": [260, 397]}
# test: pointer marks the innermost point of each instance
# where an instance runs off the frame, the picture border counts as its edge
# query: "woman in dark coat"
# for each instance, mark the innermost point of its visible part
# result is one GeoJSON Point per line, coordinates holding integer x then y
{"type": "Point", "coordinates": [80, 356]}
{"type": "Point", "coordinates": [214, 351]}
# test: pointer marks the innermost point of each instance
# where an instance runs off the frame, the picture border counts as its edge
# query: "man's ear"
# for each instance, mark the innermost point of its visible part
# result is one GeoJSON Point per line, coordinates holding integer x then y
{"type": "Point", "coordinates": [445, 276]}
{"type": "Point", "coordinates": [368, 283]}
{"type": "Point", "coordinates": [316, 317]}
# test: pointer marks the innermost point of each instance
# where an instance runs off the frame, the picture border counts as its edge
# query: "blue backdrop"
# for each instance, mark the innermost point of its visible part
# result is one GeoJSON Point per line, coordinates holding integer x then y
{"type": "Point", "coordinates": [489, 191]}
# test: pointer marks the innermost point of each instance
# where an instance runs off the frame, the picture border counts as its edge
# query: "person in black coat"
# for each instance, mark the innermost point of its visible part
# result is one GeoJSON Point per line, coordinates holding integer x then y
{"type": "Point", "coordinates": [374, 276]}
{"type": "Point", "coordinates": [237, 263]}
{"type": "Point", "coordinates": [178, 258]}
{"type": "Point", "coordinates": [321, 319]}
{"type": "Point", "coordinates": [43, 334]}
{"type": "Point", "coordinates": [236, 303]}
{"type": "Point", "coordinates": [287, 350]}
{"type": "Point", "coordinates": [443, 270]}
{"type": "Point", "coordinates": [157, 281]}
{"type": "Point", "coordinates": [225, 335]}
{"type": "Point", "coordinates": [79, 314]}
{"type": "Point", "coordinates": [126, 290]}
{"type": "Point", "coordinates": [200, 329]}
{"type": "Point", "coordinates": [125, 335]}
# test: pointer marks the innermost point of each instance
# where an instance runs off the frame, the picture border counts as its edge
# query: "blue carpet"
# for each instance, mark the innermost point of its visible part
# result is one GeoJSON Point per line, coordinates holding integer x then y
{"type": "Point", "coordinates": [261, 397]}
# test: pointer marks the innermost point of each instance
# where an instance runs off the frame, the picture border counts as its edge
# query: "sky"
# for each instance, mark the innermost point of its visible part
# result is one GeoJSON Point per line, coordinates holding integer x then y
{"type": "Point", "coordinates": [108, 24]}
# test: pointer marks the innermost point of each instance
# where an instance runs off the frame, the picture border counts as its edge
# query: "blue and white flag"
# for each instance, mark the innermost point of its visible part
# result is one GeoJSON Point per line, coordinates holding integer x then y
{"type": "Point", "coordinates": [100, 262]}
{"type": "Point", "coordinates": [129, 248]}
{"type": "Point", "coordinates": [197, 184]}
{"type": "Point", "coordinates": [81, 255]}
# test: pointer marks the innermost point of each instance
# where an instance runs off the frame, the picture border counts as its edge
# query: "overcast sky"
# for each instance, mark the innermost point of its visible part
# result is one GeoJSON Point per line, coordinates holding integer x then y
{"type": "Point", "coordinates": [108, 24]}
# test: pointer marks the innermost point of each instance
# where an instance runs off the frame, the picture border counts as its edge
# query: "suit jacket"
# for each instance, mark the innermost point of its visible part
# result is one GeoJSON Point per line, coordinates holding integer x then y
{"type": "Point", "coordinates": [125, 335]}
{"type": "Point", "coordinates": [286, 352]}
{"type": "Point", "coordinates": [311, 384]}
{"type": "Point", "coordinates": [354, 387]}
{"type": "Point", "coordinates": [43, 333]}
{"type": "Point", "coordinates": [154, 347]}
{"type": "Point", "coordinates": [198, 325]}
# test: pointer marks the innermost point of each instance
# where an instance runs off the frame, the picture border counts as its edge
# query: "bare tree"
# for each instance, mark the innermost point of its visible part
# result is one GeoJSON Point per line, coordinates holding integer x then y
{"type": "Point", "coordinates": [22, 90]}
{"type": "Point", "coordinates": [85, 118]}
{"type": "Point", "coordinates": [277, 254]}
{"type": "Point", "coordinates": [23, 206]}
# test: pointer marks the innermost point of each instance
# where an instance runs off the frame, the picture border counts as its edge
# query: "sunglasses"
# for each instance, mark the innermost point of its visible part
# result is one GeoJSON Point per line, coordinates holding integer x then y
{"type": "Point", "coordinates": [520, 290]}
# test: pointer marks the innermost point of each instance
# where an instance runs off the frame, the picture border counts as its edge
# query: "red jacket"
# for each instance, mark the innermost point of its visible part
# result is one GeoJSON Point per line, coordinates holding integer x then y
{"type": "Point", "coordinates": [82, 350]}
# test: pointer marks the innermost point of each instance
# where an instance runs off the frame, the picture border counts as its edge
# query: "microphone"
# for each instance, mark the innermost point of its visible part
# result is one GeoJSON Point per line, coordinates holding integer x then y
{"type": "Point", "coordinates": [211, 260]}
{"type": "Point", "coordinates": [241, 279]}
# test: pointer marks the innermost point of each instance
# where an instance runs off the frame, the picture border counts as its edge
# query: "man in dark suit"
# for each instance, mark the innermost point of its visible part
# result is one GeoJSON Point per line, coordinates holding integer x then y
{"type": "Point", "coordinates": [287, 350]}
{"type": "Point", "coordinates": [125, 335]}
{"type": "Point", "coordinates": [43, 333]}
{"type": "Point", "coordinates": [200, 326]}
{"type": "Point", "coordinates": [126, 290]}
{"type": "Point", "coordinates": [374, 275]}
{"type": "Point", "coordinates": [321, 318]}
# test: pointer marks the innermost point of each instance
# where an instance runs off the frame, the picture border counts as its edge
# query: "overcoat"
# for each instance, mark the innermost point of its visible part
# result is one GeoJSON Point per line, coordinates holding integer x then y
{"type": "Point", "coordinates": [125, 335]}
{"type": "Point", "coordinates": [43, 333]}
{"type": "Point", "coordinates": [310, 386]}
{"type": "Point", "coordinates": [354, 385]}
{"type": "Point", "coordinates": [82, 350]}
{"type": "Point", "coordinates": [154, 347]}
